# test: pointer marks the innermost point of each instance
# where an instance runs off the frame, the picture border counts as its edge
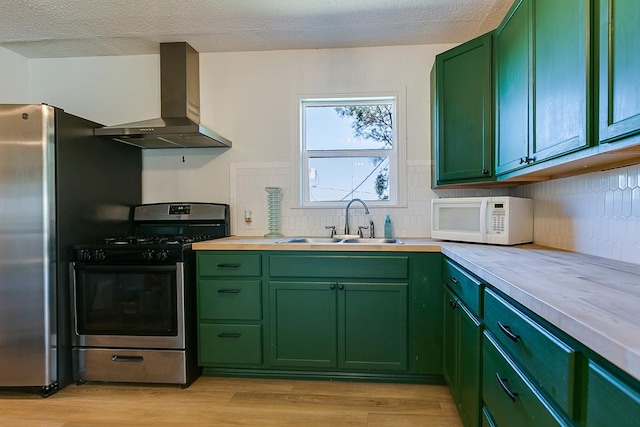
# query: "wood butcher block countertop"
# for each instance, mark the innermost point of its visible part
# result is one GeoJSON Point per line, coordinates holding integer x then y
{"type": "Point", "coordinates": [595, 300]}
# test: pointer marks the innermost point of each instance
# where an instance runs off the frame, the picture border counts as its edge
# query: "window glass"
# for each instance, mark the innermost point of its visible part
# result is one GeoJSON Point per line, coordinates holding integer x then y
{"type": "Point", "coordinates": [348, 150]}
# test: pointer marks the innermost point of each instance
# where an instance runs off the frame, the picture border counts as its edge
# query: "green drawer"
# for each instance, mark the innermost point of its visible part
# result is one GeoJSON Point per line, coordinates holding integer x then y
{"type": "Point", "coordinates": [511, 398]}
{"type": "Point", "coordinates": [343, 266]}
{"type": "Point", "coordinates": [229, 299]}
{"type": "Point", "coordinates": [463, 284]}
{"type": "Point", "coordinates": [547, 360]}
{"type": "Point", "coordinates": [229, 344]}
{"type": "Point", "coordinates": [487, 419]}
{"type": "Point", "coordinates": [610, 402]}
{"type": "Point", "coordinates": [228, 264]}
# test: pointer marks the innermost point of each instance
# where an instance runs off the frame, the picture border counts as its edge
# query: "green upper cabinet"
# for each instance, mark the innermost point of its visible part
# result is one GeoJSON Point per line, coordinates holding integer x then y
{"type": "Point", "coordinates": [619, 85]}
{"type": "Point", "coordinates": [463, 123]}
{"type": "Point", "coordinates": [542, 82]}
{"type": "Point", "coordinates": [512, 88]}
{"type": "Point", "coordinates": [562, 86]}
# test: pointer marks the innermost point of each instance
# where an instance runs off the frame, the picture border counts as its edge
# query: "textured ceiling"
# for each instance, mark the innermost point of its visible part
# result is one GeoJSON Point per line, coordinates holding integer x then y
{"type": "Point", "coordinates": [69, 28]}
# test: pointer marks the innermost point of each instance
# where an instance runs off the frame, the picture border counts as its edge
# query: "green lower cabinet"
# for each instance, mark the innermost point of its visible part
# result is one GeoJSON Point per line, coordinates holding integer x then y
{"type": "Point", "coordinates": [512, 399]}
{"type": "Point", "coordinates": [362, 315]}
{"type": "Point", "coordinates": [487, 419]}
{"type": "Point", "coordinates": [372, 326]}
{"type": "Point", "coordinates": [230, 344]}
{"type": "Point", "coordinates": [461, 365]}
{"type": "Point", "coordinates": [303, 319]}
{"type": "Point", "coordinates": [352, 326]}
{"type": "Point", "coordinates": [610, 401]}
{"type": "Point", "coordinates": [548, 360]}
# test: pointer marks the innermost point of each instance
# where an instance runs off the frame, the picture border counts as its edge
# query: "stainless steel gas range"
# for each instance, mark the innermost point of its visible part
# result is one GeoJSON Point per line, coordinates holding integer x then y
{"type": "Point", "coordinates": [134, 297]}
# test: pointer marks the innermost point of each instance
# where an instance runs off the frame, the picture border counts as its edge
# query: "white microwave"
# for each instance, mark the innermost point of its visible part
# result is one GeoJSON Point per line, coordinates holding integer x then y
{"type": "Point", "coordinates": [501, 220]}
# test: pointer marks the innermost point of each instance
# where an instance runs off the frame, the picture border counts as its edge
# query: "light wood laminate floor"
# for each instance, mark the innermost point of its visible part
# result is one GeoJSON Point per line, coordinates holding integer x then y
{"type": "Point", "coordinates": [235, 402]}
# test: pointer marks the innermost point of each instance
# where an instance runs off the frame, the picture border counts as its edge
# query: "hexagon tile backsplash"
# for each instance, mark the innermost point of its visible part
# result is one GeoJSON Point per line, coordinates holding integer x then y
{"type": "Point", "coordinates": [596, 213]}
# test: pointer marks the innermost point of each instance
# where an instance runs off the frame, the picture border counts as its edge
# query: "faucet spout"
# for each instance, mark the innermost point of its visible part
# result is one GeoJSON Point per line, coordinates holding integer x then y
{"type": "Point", "coordinates": [346, 221]}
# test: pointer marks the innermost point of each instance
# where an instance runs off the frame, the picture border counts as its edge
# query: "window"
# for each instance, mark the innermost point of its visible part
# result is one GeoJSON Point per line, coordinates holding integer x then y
{"type": "Point", "coordinates": [348, 150]}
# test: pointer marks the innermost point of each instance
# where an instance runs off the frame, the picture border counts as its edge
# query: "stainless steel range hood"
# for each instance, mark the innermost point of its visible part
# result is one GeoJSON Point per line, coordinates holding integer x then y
{"type": "Point", "coordinates": [179, 125]}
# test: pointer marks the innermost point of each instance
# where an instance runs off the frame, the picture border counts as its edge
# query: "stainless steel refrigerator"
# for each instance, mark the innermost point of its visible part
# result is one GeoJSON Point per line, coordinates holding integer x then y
{"type": "Point", "coordinates": [59, 186]}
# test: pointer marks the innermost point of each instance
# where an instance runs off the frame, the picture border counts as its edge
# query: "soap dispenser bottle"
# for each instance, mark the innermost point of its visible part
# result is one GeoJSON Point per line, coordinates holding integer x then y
{"type": "Point", "coordinates": [388, 231]}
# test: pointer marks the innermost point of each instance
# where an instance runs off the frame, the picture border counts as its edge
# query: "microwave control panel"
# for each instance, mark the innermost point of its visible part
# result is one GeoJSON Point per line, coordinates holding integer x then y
{"type": "Point", "coordinates": [498, 215]}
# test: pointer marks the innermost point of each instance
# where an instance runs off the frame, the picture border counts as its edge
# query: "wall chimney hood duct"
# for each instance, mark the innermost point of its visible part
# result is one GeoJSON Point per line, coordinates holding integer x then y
{"type": "Point", "coordinates": [179, 125]}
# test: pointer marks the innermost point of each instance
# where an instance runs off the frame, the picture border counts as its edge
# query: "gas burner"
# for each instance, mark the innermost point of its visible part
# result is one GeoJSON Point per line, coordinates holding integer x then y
{"type": "Point", "coordinates": [119, 240]}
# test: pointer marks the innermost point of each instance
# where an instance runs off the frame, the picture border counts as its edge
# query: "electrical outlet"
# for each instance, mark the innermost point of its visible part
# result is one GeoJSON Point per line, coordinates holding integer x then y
{"type": "Point", "coordinates": [248, 220]}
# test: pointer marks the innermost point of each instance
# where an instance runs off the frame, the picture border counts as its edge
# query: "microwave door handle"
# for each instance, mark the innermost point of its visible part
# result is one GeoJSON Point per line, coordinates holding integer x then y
{"type": "Point", "coordinates": [483, 220]}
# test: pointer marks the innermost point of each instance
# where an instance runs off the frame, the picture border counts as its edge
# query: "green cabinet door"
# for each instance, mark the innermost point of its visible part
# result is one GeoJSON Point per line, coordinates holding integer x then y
{"type": "Point", "coordinates": [303, 324]}
{"type": "Point", "coordinates": [372, 326]}
{"type": "Point", "coordinates": [561, 89]}
{"type": "Point", "coordinates": [464, 121]}
{"type": "Point", "coordinates": [353, 326]}
{"type": "Point", "coordinates": [462, 355]}
{"type": "Point", "coordinates": [619, 62]}
{"type": "Point", "coordinates": [543, 85]}
{"type": "Point", "coordinates": [611, 402]}
{"type": "Point", "coordinates": [513, 89]}
{"type": "Point", "coordinates": [469, 367]}
{"type": "Point", "coordinates": [450, 343]}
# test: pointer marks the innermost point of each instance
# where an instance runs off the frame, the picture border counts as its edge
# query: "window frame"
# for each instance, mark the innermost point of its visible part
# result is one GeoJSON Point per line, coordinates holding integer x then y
{"type": "Point", "coordinates": [397, 171]}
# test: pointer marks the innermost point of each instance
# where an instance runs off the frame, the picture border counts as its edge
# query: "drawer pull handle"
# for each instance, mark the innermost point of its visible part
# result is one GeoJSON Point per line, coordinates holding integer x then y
{"type": "Point", "coordinates": [116, 358]}
{"type": "Point", "coordinates": [502, 381]}
{"type": "Point", "coordinates": [453, 303]}
{"type": "Point", "coordinates": [227, 335]}
{"type": "Point", "coordinates": [228, 291]}
{"type": "Point", "coordinates": [454, 280]}
{"type": "Point", "coordinates": [228, 265]}
{"type": "Point", "coordinates": [507, 331]}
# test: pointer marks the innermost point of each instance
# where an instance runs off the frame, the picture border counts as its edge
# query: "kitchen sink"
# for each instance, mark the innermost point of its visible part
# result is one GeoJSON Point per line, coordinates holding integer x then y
{"type": "Point", "coordinates": [374, 241]}
{"type": "Point", "coordinates": [310, 240]}
{"type": "Point", "coordinates": [357, 240]}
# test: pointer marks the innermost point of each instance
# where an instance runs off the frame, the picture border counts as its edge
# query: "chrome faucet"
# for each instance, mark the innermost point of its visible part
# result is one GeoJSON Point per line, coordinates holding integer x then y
{"type": "Point", "coordinates": [346, 221]}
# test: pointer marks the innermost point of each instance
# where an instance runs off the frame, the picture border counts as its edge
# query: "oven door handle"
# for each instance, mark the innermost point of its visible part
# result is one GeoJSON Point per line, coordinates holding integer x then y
{"type": "Point", "coordinates": [126, 268]}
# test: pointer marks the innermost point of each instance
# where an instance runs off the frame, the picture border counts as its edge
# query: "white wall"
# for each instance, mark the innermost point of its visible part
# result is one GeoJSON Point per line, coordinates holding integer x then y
{"type": "Point", "coordinates": [14, 78]}
{"type": "Point", "coordinates": [250, 98]}
{"type": "Point", "coordinates": [108, 90]}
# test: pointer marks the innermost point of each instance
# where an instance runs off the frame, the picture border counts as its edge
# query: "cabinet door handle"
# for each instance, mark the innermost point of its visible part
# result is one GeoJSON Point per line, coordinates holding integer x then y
{"type": "Point", "coordinates": [507, 331]}
{"type": "Point", "coordinates": [528, 160]}
{"type": "Point", "coordinates": [485, 171]}
{"type": "Point", "coordinates": [453, 303]}
{"type": "Point", "coordinates": [117, 358]}
{"type": "Point", "coordinates": [341, 287]}
{"type": "Point", "coordinates": [228, 265]}
{"type": "Point", "coordinates": [228, 291]}
{"type": "Point", "coordinates": [454, 280]}
{"type": "Point", "coordinates": [229, 335]}
{"type": "Point", "coordinates": [502, 381]}
{"type": "Point", "coordinates": [332, 286]}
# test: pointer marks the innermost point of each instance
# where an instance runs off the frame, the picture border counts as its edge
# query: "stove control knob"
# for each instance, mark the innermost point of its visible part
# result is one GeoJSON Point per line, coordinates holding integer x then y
{"type": "Point", "coordinates": [84, 255]}
{"type": "Point", "coordinates": [148, 255]}
{"type": "Point", "coordinates": [162, 256]}
{"type": "Point", "coordinates": [99, 255]}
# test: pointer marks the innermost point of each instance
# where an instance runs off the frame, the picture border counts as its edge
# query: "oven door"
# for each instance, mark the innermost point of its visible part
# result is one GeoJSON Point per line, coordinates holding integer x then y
{"type": "Point", "coordinates": [126, 306]}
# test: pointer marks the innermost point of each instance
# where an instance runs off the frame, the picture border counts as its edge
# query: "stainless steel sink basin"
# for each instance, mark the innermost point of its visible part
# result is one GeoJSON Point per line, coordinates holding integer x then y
{"type": "Point", "coordinates": [373, 241]}
{"type": "Point", "coordinates": [359, 240]}
{"type": "Point", "coordinates": [310, 240]}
